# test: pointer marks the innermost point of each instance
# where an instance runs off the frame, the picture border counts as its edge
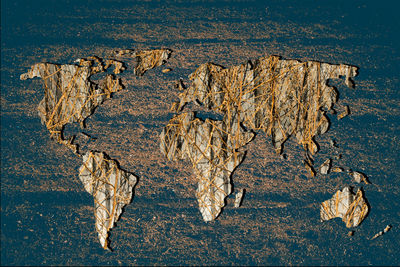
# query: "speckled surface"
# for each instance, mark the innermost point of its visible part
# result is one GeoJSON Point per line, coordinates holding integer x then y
{"type": "Point", "coordinates": [47, 217]}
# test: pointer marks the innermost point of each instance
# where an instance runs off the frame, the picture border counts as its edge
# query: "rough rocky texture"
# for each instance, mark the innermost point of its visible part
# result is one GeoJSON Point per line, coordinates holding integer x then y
{"type": "Point", "coordinates": [344, 113]}
{"type": "Point", "coordinates": [110, 187]}
{"type": "Point", "coordinates": [239, 198]}
{"type": "Point", "coordinates": [212, 147]}
{"type": "Point", "coordinates": [384, 231]}
{"type": "Point", "coordinates": [145, 59]}
{"type": "Point", "coordinates": [280, 97]}
{"type": "Point", "coordinates": [352, 208]}
{"type": "Point", "coordinates": [359, 177]}
{"type": "Point", "coordinates": [326, 166]}
{"type": "Point", "coordinates": [70, 96]}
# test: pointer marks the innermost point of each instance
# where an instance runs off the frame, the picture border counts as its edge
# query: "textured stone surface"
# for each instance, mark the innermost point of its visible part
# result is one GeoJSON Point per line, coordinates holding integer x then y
{"type": "Point", "coordinates": [352, 208]}
{"type": "Point", "coordinates": [212, 147]}
{"type": "Point", "coordinates": [278, 96]}
{"type": "Point", "coordinates": [111, 188]}
{"type": "Point", "coordinates": [69, 95]}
